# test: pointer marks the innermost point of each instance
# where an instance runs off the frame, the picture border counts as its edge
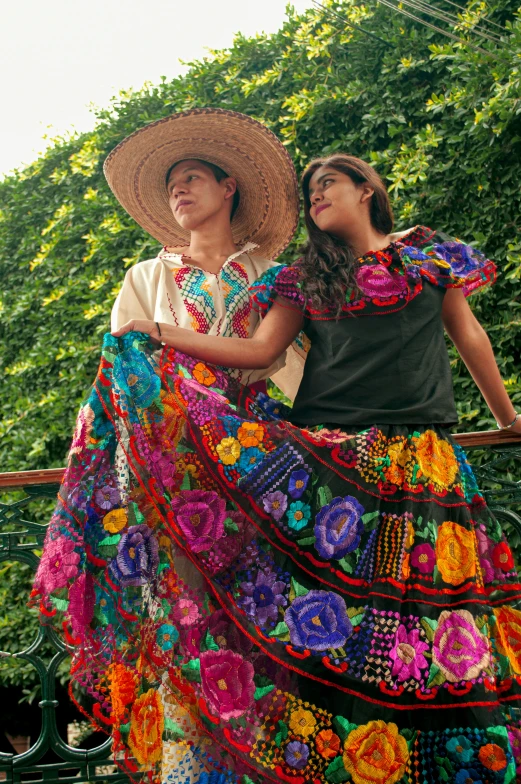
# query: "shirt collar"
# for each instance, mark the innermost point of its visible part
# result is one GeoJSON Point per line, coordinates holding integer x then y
{"type": "Point", "coordinates": [177, 258]}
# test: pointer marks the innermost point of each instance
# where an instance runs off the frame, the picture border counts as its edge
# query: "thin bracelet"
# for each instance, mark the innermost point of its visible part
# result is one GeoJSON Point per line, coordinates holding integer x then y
{"type": "Point", "coordinates": [507, 427]}
{"type": "Point", "coordinates": [158, 328]}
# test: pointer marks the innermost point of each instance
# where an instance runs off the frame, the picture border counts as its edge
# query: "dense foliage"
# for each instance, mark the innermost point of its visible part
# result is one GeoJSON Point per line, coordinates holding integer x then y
{"type": "Point", "coordinates": [440, 120]}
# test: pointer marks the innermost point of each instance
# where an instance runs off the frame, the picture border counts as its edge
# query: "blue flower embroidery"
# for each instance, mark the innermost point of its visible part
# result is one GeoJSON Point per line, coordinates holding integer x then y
{"type": "Point", "coordinates": [167, 636]}
{"type": "Point", "coordinates": [135, 376]}
{"type": "Point", "coordinates": [298, 482]}
{"type": "Point", "coordinates": [462, 258]}
{"type": "Point", "coordinates": [460, 748]}
{"type": "Point", "coordinates": [338, 527]}
{"type": "Point", "coordinates": [318, 621]}
{"type": "Point", "coordinates": [249, 459]}
{"type": "Point", "coordinates": [469, 776]}
{"type": "Point", "coordinates": [298, 514]}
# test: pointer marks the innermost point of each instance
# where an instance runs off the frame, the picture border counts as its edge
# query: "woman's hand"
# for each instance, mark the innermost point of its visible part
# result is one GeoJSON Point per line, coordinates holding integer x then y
{"type": "Point", "coordinates": [139, 325]}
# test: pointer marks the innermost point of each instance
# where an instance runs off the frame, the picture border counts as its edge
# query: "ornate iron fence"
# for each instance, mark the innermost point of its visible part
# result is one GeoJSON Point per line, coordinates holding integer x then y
{"type": "Point", "coordinates": [499, 477]}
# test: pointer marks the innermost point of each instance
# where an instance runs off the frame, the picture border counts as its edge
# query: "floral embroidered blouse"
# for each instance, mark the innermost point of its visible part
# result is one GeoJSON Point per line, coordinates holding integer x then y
{"type": "Point", "coordinates": [170, 290]}
{"type": "Point", "coordinates": [385, 360]}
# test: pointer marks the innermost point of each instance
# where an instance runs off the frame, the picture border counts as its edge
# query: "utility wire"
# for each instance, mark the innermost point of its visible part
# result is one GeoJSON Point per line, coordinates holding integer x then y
{"type": "Point", "coordinates": [462, 8]}
{"type": "Point", "coordinates": [330, 12]}
{"type": "Point", "coordinates": [432, 10]}
{"type": "Point", "coordinates": [435, 27]}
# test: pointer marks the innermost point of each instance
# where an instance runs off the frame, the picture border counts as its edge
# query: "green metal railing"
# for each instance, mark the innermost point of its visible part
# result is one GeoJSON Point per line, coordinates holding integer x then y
{"type": "Point", "coordinates": [499, 478]}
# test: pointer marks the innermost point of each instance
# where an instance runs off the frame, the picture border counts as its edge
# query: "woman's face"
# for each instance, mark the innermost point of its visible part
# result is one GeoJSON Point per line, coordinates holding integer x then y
{"type": "Point", "coordinates": [195, 196]}
{"type": "Point", "coordinates": [337, 203]}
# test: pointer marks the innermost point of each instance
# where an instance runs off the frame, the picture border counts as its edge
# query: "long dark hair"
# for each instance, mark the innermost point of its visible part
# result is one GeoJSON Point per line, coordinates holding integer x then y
{"type": "Point", "coordinates": [328, 263]}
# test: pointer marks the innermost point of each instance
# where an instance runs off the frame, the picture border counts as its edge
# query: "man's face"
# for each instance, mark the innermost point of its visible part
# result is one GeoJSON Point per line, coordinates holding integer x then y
{"type": "Point", "coordinates": [195, 196]}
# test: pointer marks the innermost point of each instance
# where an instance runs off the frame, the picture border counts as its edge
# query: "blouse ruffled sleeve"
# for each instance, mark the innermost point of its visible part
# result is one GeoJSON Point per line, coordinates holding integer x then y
{"type": "Point", "coordinates": [277, 284]}
{"type": "Point", "coordinates": [450, 263]}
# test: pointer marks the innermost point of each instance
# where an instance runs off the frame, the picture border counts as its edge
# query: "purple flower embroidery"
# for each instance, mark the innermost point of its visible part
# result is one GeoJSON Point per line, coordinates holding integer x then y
{"type": "Point", "coordinates": [137, 558]}
{"type": "Point", "coordinates": [263, 597]}
{"type": "Point", "coordinates": [298, 482]}
{"type": "Point", "coordinates": [413, 253]}
{"type": "Point", "coordinates": [296, 754]}
{"type": "Point", "coordinates": [318, 621]}
{"type": "Point", "coordinates": [459, 649]}
{"type": "Point", "coordinates": [58, 565]}
{"type": "Point", "coordinates": [227, 683]}
{"type": "Point", "coordinates": [106, 497]}
{"type": "Point", "coordinates": [200, 514]}
{"type": "Point", "coordinates": [338, 527]}
{"type": "Point", "coordinates": [375, 280]}
{"type": "Point", "coordinates": [82, 597]}
{"type": "Point", "coordinates": [460, 257]}
{"type": "Point", "coordinates": [423, 558]}
{"type": "Point", "coordinates": [275, 504]}
{"type": "Point", "coordinates": [163, 468]}
{"type": "Point", "coordinates": [407, 654]}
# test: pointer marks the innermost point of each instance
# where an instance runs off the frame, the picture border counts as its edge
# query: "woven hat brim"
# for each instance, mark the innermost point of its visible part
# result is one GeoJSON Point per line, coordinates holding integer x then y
{"type": "Point", "coordinates": [248, 151]}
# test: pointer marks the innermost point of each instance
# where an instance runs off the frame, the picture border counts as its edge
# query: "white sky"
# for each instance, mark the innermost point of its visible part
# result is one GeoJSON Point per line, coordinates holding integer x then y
{"type": "Point", "coordinates": [58, 56]}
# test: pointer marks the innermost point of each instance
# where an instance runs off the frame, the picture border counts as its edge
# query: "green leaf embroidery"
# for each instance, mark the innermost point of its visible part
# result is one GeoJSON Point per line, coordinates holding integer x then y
{"type": "Point", "coordinates": [261, 691]}
{"type": "Point", "coordinates": [110, 540]}
{"type": "Point", "coordinates": [280, 630]}
{"type": "Point", "coordinates": [308, 540]}
{"type": "Point", "coordinates": [346, 566]}
{"type": "Point", "coordinates": [209, 643]}
{"type": "Point", "coordinates": [230, 527]}
{"type": "Point", "coordinates": [370, 516]}
{"type": "Point", "coordinates": [192, 670]}
{"type": "Point", "coordinates": [60, 604]}
{"type": "Point", "coordinates": [336, 773]}
{"type": "Point", "coordinates": [343, 727]}
{"type": "Point", "coordinates": [185, 485]}
{"type": "Point", "coordinates": [324, 495]}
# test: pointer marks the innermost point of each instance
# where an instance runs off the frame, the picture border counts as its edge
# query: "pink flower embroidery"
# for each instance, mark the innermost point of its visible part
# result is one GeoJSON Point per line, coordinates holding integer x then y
{"type": "Point", "coordinates": [200, 514]}
{"type": "Point", "coordinates": [423, 558]}
{"type": "Point", "coordinates": [186, 612]}
{"type": "Point", "coordinates": [407, 654]}
{"type": "Point", "coordinates": [227, 683]}
{"type": "Point", "coordinates": [59, 564]}
{"type": "Point", "coordinates": [81, 603]}
{"type": "Point", "coordinates": [376, 281]}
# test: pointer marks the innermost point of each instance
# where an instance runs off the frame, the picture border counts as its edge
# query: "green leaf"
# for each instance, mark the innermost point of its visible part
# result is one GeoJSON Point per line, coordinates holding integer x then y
{"type": "Point", "coordinates": [230, 527]}
{"type": "Point", "coordinates": [280, 630]}
{"type": "Point", "coordinates": [297, 589]}
{"type": "Point", "coordinates": [186, 483]}
{"type": "Point", "coordinates": [282, 733]}
{"type": "Point", "coordinates": [346, 566]}
{"type": "Point", "coordinates": [436, 677]}
{"type": "Point", "coordinates": [110, 540]}
{"type": "Point", "coordinates": [325, 496]}
{"type": "Point", "coordinates": [308, 540]}
{"type": "Point", "coordinates": [343, 727]}
{"type": "Point", "coordinates": [429, 626]}
{"type": "Point", "coordinates": [174, 729]}
{"type": "Point", "coordinates": [368, 517]}
{"type": "Point", "coordinates": [60, 604]}
{"type": "Point", "coordinates": [192, 670]}
{"type": "Point", "coordinates": [356, 620]}
{"type": "Point", "coordinates": [261, 691]}
{"type": "Point", "coordinates": [209, 643]}
{"type": "Point", "coordinates": [336, 773]}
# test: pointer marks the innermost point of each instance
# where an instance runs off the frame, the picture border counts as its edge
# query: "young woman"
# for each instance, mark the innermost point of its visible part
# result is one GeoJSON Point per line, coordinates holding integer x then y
{"type": "Point", "coordinates": [358, 614]}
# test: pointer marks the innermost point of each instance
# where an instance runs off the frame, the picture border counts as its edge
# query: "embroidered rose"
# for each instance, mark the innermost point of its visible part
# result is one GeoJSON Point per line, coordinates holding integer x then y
{"type": "Point", "coordinates": [375, 753]}
{"type": "Point", "coordinates": [318, 621]}
{"type": "Point", "coordinates": [375, 280]}
{"type": "Point", "coordinates": [81, 603]}
{"type": "Point", "coordinates": [436, 459]}
{"type": "Point", "coordinates": [200, 514]}
{"type": "Point", "coordinates": [423, 558]}
{"type": "Point", "coordinates": [502, 557]}
{"type": "Point", "coordinates": [138, 556]}
{"type": "Point", "coordinates": [459, 649]}
{"type": "Point", "coordinates": [59, 564]}
{"type": "Point", "coordinates": [455, 553]}
{"type": "Point", "coordinates": [460, 257]}
{"type": "Point", "coordinates": [275, 504]}
{"type": "Point", "coordinates": [407, 654]}
{"type": "Point", "coordinates": [262, 598]}
{"type": "Point", "coordinates": [146, 727]}
{"type": "Point", "coordinates": [338, 527]}
{"type": "Point", "coordinates": [227, 683]}
{"type": "Point", "coordinates": [508, 635]}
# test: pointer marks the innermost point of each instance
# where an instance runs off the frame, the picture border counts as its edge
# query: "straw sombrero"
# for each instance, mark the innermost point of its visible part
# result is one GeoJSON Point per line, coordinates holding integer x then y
{"type": "Point", "coordinates": [245, 149]}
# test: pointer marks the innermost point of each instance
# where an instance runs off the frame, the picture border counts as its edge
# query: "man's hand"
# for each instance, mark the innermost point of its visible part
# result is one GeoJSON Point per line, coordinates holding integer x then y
{"type": "Point", "coordinates": [139, 325]}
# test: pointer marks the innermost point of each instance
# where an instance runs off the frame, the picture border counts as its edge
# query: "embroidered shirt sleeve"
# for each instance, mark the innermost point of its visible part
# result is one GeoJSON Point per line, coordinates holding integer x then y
{"type": "Point", "coordinates": [277, 284]}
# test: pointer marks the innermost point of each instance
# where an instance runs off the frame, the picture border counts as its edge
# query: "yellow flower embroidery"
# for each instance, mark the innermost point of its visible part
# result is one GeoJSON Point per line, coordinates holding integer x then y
{"type": "Point", "coordinates": [115, 521]}
{"type": "Point", "coordinates": [456, 554]}
{"type": "Point", "coordinates": [508, 635]}
{"type": "Point", "coordinates": [302, 722]}
{"type": "Point", "coordinates": [229, 450]}
{"type": "Point", "coordinates": [375, 753]}
{"type": "Point", "coordinates": [436, 460]}
{"type": "Point", "coordinates": [146, 727]}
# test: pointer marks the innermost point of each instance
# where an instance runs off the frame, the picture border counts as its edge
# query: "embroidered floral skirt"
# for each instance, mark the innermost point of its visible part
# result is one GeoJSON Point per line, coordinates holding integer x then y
{"type": "Point", "coordinates": [249, 601]}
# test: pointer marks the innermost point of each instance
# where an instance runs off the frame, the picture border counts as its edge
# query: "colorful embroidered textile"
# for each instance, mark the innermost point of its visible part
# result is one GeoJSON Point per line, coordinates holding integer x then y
{"type": "Point", "coordinates": [251, 602]}
{"type": "Point", "coordinates": [171, 290]}
{"type": "Point", "coordinates": [363, 368]}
